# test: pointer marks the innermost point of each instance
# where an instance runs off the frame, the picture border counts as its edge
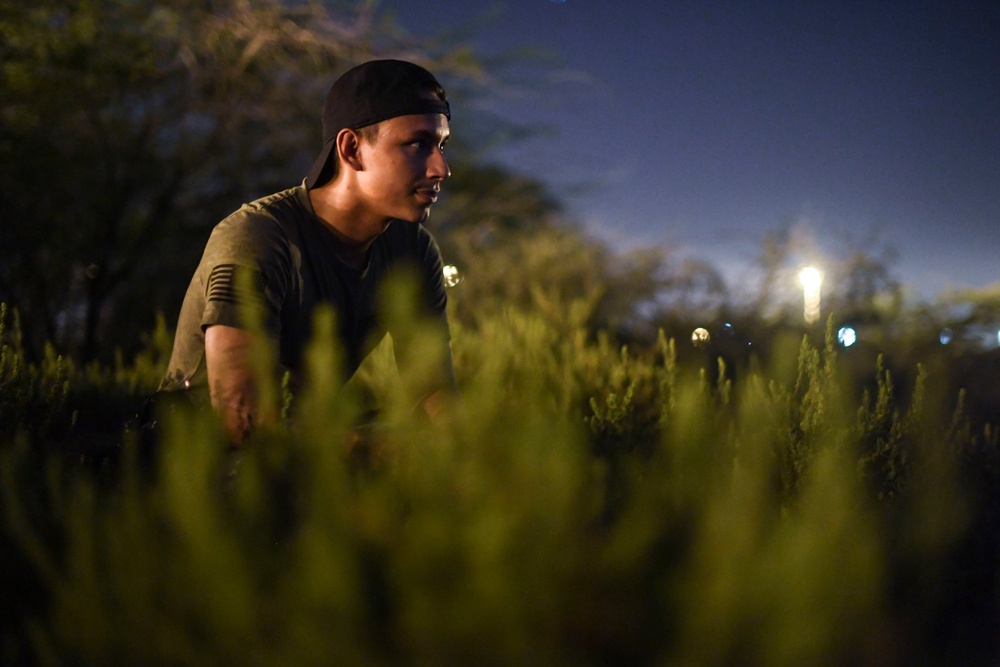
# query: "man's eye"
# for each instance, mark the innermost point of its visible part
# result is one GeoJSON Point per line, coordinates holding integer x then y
{"type": "Point", "coordinates": [425, 145]}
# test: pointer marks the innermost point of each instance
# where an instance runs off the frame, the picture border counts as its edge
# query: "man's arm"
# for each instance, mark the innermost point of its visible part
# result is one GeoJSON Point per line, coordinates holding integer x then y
{"type": "Point", "coordinates": [231, 383]}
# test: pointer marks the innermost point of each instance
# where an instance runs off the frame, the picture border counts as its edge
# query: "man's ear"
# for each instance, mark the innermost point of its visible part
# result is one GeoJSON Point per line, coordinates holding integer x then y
{"type": "Point", "coordinates": [349, 149]}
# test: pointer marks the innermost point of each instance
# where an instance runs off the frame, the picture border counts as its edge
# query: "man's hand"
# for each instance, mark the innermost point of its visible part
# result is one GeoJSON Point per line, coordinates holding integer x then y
{"type": "Point", "coordinates": [231, 382]}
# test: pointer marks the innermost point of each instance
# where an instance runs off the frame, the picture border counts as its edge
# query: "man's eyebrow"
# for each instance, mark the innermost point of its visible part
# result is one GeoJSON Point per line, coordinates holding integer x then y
{"type": "Point", "coordinates": [427, 134]}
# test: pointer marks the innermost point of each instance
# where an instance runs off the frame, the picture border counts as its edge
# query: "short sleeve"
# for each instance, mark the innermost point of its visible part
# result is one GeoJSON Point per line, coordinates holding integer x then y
{"type": "Point", "coordinates": [246, 269]}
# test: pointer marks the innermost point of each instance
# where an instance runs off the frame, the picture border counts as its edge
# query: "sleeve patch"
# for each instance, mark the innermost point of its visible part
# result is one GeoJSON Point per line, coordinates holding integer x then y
{"type": "Point", "coordinates": [231, 283]}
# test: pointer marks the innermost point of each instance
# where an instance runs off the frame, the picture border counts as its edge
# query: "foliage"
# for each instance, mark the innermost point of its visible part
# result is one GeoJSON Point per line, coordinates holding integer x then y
{"type": "Point", "coordinates": [543, 268]}
{"type": "Point", "coordinates": [80, 409]}
{"type": "Point", "coordinates": [859, 285]}
{"type": "Point", "coordinates": [172, 115]}
{"type": "Point", "coordinates": [128, 129]}
{"type": "Point", "coordinates": [575, 502]}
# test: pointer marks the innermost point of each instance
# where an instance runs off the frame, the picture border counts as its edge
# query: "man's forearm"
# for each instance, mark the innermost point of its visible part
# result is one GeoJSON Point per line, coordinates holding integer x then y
{"type": "Point", "coordinates": [237, 409]}
{"type": "Point", "coordinates": [231, 383]}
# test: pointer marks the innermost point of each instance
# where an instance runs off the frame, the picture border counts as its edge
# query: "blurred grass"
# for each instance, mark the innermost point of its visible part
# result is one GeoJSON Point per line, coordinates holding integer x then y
{"type": "Point", "coordinates": [574, 503]}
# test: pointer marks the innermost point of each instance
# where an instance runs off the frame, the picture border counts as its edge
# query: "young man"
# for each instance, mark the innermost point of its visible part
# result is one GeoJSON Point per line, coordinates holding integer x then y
{"type": "Point", "coordinates": [332, 240]}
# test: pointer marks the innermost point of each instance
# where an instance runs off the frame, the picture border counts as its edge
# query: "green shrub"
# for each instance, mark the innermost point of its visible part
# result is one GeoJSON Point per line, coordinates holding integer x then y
{"type": "Point", "coordinates": [68, 408]}
{"type": "Point", "coordinates": [574, 503]}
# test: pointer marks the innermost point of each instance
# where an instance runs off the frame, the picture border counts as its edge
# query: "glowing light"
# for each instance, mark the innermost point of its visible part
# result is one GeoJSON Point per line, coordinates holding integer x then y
{"type": "Point", "coordinates": [847, 336]}
{"type": "Point", "coordinates": [812, 281]}
{"type": "Point", "coordinates": [700, 337]}
{"type": "Point", "coordinates": [452, 276]}
{"type": "Point", "coordinates": [946, 336]}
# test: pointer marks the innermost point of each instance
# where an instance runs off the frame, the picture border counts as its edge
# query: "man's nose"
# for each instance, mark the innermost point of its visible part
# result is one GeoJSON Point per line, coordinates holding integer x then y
{"type": "Point", "coordinates": [437, 168]}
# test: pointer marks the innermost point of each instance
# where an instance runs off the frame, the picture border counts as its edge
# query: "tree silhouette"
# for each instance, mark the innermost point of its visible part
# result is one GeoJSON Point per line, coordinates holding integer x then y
{"type": "Point", "coordinates": [128, 129]}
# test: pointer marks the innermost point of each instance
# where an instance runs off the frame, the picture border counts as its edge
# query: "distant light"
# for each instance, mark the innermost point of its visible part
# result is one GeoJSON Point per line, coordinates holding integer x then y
{"type": "Point", "coordinates": [847, 336]}
{"type": "Point", "coordinates": [946, 336]}
{"type": "Point", "coordinates": [452, 276]}
{"type": "Point", "coordinates": [811, 279]}
{"type": "Point", "coordinates": [998, 337]}
{"type": "Point", "coordinates": [726, 329]}
{"type": "Point", "coordinates": [700, 337]}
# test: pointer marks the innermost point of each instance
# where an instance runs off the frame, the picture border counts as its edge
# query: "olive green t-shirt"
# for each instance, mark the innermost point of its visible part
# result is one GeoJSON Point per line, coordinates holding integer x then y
{"type": "Point", "coordinates": [276, 253]}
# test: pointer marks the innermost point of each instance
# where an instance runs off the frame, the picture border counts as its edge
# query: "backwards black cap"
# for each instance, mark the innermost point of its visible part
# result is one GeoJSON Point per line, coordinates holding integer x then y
{"type": "Point", "coordinates": [370, 93]}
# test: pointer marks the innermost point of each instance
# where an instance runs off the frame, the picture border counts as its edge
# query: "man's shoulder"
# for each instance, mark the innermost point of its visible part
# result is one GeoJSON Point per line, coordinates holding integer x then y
{"type": "Point", "coordinates": [274, 216]}
{"type": "Point", "coordinates": [285, 207]}
{"type": "Point", "coordinates": [283, 203]}
{"type": "Point", "coordinates": [265, 227]}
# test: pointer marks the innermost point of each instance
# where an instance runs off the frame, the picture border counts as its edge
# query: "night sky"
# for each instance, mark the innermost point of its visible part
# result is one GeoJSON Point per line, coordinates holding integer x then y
{"type": "Point", "coordinates": [699, 126]}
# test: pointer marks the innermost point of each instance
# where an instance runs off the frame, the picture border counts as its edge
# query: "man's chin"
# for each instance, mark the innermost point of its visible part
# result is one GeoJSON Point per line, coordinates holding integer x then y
{"type": "Point", "coordinates": [414, 216]}
{"type": "Point", "coordinates": [420, 216]}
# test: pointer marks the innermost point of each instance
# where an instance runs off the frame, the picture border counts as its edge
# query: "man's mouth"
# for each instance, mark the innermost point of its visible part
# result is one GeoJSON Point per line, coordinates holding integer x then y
{"type": "Point", "coordinates": [429, 195]}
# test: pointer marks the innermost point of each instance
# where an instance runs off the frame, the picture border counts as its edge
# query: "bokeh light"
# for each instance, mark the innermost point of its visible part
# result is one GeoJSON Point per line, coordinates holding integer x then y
{"type": "Point", "coordinates": [452, 276]}
{"type": "Point", "coordinates": [812, 281]}
{"type": "Point", "coordinates": [700, 337]}
{"type": "Point", "coordinates": [847, 336]}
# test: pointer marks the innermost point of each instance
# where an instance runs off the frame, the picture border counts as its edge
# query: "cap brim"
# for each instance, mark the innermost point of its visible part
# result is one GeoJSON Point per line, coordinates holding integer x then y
{"type": "Point", "coordinates": [321, 171]}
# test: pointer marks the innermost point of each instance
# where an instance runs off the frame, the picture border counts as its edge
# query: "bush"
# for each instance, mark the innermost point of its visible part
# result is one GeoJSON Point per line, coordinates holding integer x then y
{"type": "Point", "coordinates": [574, 503]}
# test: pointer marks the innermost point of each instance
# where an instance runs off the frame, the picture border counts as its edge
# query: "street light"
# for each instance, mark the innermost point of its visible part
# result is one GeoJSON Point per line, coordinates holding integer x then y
{"type": "Point", "coordinates": [811, 280]}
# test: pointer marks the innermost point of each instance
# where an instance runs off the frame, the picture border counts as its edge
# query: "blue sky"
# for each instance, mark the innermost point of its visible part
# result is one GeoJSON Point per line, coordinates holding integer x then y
{"type": "Point", "coordinates": [699, 126]}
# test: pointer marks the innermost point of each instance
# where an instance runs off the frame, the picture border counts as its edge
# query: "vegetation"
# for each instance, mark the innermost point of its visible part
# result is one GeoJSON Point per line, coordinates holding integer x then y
{"type": "Point", "coordinates": [576, 503]}
{"type": "Point", "coordinates": [129, 129]}
{"type": "Point", "coordinates": [598, 490]}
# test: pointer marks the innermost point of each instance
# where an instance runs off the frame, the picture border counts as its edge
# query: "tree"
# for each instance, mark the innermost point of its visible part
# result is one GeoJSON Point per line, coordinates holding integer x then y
{"type": "Point", "coordinates": [865, 289]}
{"type": "Point", "coordinates": [555, 268]}
{"type": "Point", "coordinates": [129, 128]}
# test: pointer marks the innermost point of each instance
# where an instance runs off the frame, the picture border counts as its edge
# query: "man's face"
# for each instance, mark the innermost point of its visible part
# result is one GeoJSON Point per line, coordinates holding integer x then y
{"type": "Point", "coordinates": [404, 165]}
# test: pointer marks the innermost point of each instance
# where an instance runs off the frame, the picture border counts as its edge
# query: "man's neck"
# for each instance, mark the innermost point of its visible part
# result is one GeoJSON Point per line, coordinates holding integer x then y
{"type": "Point", "coordinates": [354, 229]}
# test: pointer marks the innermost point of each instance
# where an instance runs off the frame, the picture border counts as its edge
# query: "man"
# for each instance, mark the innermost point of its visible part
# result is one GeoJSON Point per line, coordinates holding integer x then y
{"type": "Point", "coordinates": [333, 239]}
